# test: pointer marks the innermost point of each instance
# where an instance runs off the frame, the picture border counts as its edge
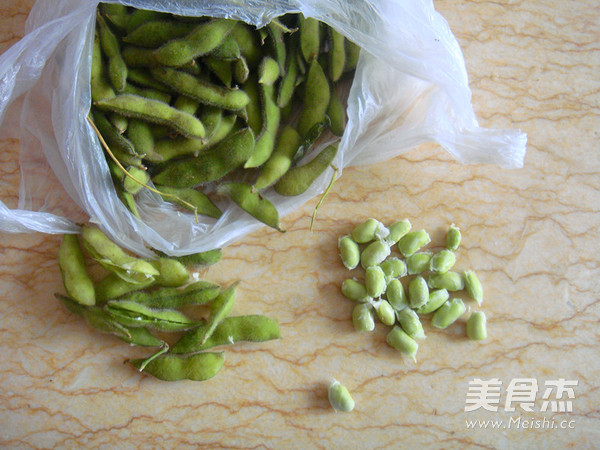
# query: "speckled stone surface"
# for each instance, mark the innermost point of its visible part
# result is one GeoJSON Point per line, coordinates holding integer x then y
{"type": "Point", "coordinates": [532, 234]}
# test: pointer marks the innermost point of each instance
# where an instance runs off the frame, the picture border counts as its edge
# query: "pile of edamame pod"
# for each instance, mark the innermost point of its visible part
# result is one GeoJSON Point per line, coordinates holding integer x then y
{"type": "Point", "coordinates": [209, 108]}
{"type": "Point", "coordinates": [143, 302]}
{"type": "Point", "coordinates": [430, 281]}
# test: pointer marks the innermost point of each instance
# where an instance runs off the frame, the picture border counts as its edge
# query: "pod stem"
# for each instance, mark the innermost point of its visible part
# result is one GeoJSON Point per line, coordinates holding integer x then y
{"type": "Point", "coordinates": [314, 214]}
{"type": "Point", "coordinates": [118, 163]}
{"type": "Point", "coordinates": [163, 349]}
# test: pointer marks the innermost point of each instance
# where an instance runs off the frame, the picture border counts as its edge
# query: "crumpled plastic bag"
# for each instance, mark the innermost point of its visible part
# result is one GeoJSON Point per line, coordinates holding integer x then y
{"type": "Point", "coordinates": [410, 87]}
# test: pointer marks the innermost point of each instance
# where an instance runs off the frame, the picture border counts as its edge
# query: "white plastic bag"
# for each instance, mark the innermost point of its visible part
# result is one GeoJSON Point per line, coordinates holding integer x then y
{"type": "Point", "coordinates": [410, 87]}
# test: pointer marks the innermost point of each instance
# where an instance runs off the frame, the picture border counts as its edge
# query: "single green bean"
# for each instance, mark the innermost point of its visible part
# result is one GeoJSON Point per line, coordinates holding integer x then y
{"type": "Point", "coordinates": [448, 313]}
{"type": "Point", "coordinates": [349, 252]}
{"type": "Point", "coordinates": [374, 254]}
{"type": "Point", "coordinates": [339, 397]}
{"type": "Point", "coordinates": [476, 326]}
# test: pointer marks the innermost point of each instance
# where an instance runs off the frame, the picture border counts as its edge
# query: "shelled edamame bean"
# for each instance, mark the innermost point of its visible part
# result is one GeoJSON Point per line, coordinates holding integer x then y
{"type": "Point", "coordinates": [168, 91]}
{"type": "Point", "coordinates": [403, 280]}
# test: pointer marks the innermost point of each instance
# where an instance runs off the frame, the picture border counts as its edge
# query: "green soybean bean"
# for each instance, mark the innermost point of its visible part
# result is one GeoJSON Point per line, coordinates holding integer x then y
{"type": "Point", "coordinates": [453, 238]}
{"type": "Point", "coordinates": [100, 88]}
{"type": "Point", "coordinates": [339, 397]}
{"type": "Point", "coordinates": [337, 54]}
{"type": "Point", "coordinates": [247, 42]}
{"type": "Point", "coordinates": [355, 290]}
{"type": "Point", "coordinates": [385, 312]}
{"type": "Point", "coordinates": [442, 261]}
{"type": "Point", "coordinates": [221, 68]}
{"type": "Point", "coordinates": [363, 317]}
{"type": "Point", "coordinates": [210, 165]}
{"type": "Point", "coordinates": [374, 281]}
{"type": "Point", "coordinates": [117, 69]}
{"type": "Point", "coordinates": [395, 294]}
{"type": "Point", "coordinates": [398, 230]}
{"type": "Point", "coordinates": [207, 258]}
{"type": "Point", "coordinates": [154, 111]}
{"type": "Point", "coordinates": [316, 98]}
{"type": "Point", "coordinates": [476, 326]}
{"type": "Point", "coordinates": [365, 232]}
{"type": "Point", "coordinates": [336, 113]}
{"type": "Point", "coordinates": [251, 201]}
{"type": "Point", "coordinates": [133, 185]}
{"type": "Point", "coordinates": [352, 54]}
{"type": "Point", "coordinates": [398, 339]}
{"type": "Point", "coordinates": [199, 367]}
{"type": "Point", "coordinates": [298, 179]}
{"type": "Point", "coordinates": [171, 273]}
{"type": "Point", "coordinates": [412, 241]}
{"type": "Point", "coordinates": [410, 323]}
{"type": "Point", "coordinates": [203, 39]}
{"type": "Point", "coordinates": [155, 33]}
{"type": "Point", "coordinates": [113, 286]}
{"type": "Point", "coordinates": [252, 328]}
{"type": "Point", "coordinates": [187, 196]}
{"type": "Point", "coordinates": [473, 286]}
{"type": "Point", "coordinates": [74, 274]}
{"type": "Point", "coordinates": [418, 262]}
{"type": "Point", "coordinates": [203, 91]}
{"type": "Point", "coordinates": [393, 268]}
{"type": "Point", "coordinates": [451, 281]}
{"type": "Point", "coordinates": [349, 252]}
{"type": "Point", "coordinates": [112, 137]}
{"type": "Point", "coordinates": [310, 40]}
{"type": "Point", "coordinates": [448, 313]}
{"type": "Point", "coordinates": [418, 292]}
{"type": "Point", "coordinates": [436, 299]}
{"type": "Point", "coordinates": [268, 71]}
{"type": "Point", "coordinates": [280, 160]}
{"type": "Point", "coordinates": [374, 254]}
{"type": "Point", "coordinates": [197, 293]}
{"type": "Point", "coordinates": [219, 310]}
{"type": "Point", "coordinates": [134, 314]}
{"type": "Point", "coordinates": [265, 141]}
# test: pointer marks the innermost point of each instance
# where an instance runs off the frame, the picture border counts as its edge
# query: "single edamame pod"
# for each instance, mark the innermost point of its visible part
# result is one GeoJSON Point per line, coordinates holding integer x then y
{"type": "Point", "coordinates": [412, 241]}
{"type": "Point", "coordinates": [222, 68]}
{"type": "Point", "coordinates": [247, 42]}
{"type": "Point", "coordinates": [418, 292]}
{"type": "Point", "coordinates": [473, 286]}
{"type": "Point", "coordinates": [374, 281]}
{"type": "Point", "coordinates": [395, 294]}
{"type": "Point", "coordinates": [451, 281]}
{"type": "Point", "coordinates": [453, 237]}
{"type": "Point", "coordinates": [337, 114]}
{"type": "Point", "coordinates": [135, 181]}
{"type": "Point", "coordinates": [374, 253]}
{"type": "Point", "coordinates": [203, 204]}
{"type": "Point", "coordinates": [253, 108]}
{"type": "Point", "coordinates": [268, 71]}
{"type": "Point", "coordinates": [339, 397]}
{"type": "Point", "coordinates": [298, 179]}
{"type": "Point", "coordinates": [197, 293]}
{"type": "Point", "coordinates": [117, 69]}
{"type": "Point", "coordinates": [362, 317]}
{"type": "Point", "coordinates": [115, 140]}
{"type": "Point", "coordinates": [154, 111]}
{"type": "Point", "coordinates": [211, 164]}
{"type": "Point", "coordinates": [113, 286]}
{"type": "Point", "coordinates": [265, 141]}
{"type": "Point", "coordinates": [337, 54]}
{"type": "Point", "coordinates": [442, 261]}
{"type": "Point", "coordinates": [74, 274]}
{"type": "Point", "coordinates": [228, 49]}
{"type": "Point", "coordinates": [252, 202]}
{"type": "Point", "coordinates": [252, 328]}
{"type": "Point", "coordinates": [352, 54]}
{"type": "Point", "coordinates": [134, 314]}
{"type": "Point", "coordinates": [219, 309]}
{"type": "Point", "coordinates": [402, 342]}
{"type": "Point", "coordinates": [155, 33]}
{"type": "Point", "coordinates": [171, 273]}
{"type": "Point", "coordinates": [410, 323]}
{"type": "Point", "coordinates": [349, 252]}
{"type": "Point", "coordinates": [199, 367]}
{"type": "Point", "coordinates": [448, 313]}
{"type": "Point", "coordinates": [310, 40]}
{"type": "Point", "coordinates": [287, 85]}
{"type": "Point", "coordinates": [140, 135]}
{"type": "Point", "coordinates": [141, 16]}
{"type": "Point", "coordinates": [436, 299]}
{"type": "Point", "coordinates": [476, 326]}
{"type": "Point", "coordinates": [418, 262]}
{"type": "Point", "coordinates": [316, 98]}
{"type": "Point", "coordinates": [100, 87]}
{"type": "Point", "coordinates": [151, 93]}
{"type": "Point", "coordinates": [355, 290]}
{"type": "Point", "coordinates": [207, 258]}
{"type": "Point", "coordinates": [280, 160]}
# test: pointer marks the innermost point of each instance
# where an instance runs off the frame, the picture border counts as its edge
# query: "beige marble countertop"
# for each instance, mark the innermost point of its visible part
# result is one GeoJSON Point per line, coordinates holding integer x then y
{"type": "Point", "coordinates": [532, 234]}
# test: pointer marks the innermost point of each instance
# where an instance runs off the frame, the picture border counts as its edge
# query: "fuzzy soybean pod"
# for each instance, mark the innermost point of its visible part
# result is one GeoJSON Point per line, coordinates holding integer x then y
{"type": "Point", "coordinates": [211, 164]}
{"type": "Point", "coordinates": [251, 328]}
{"type": "Point", "coordinates": [117, 69]}
{"type": "Point", "coordinates": [352, 53]}
{"type": "Point", "coordinates": [150, 93]}
{"type": "Point", "coordinates": [411, 242]}
{"type": "Point", "coordinates": [402, 342]}
{"type": "Point", "coordinates": [202, 91]}
{"type": "Point", "coordinates": [268, 71]}
{"type": "Point", "coordinates": [112, 137]}
{"type": "Point", "coordinates": [253, 108]}
{"type": "Point", "coordinates": [171, 273]}
{"type": "Point", "coordinates": [207, 258]}
{"type": "Point", "coordinates": [241, 71]}
{"type": "Point", "coordinates": [221, 68]}
{"type": "Point", "coordinates": [374, 254]}
{"type": "Point", "coordinates": [289, 77]}
{"type": "Point", "coordinates": [155, 33]}
{"type": "Point", "coordinates": [473, 286]}
{"type": "Point", "coordinates": [316, 98]}
{"type": "Point", "coordinates": [116, 14]}
{"type": "Point", "coordinates": [339, 397]}
{"type": "Point", "coordinates": [271, 117]}
{"type": "Point", "coordinates": [280, 160]}
{"type": "Point", "coordinates": [247, 42]}
{"type": "Point", "coordinates": [251, 201]}
{"type": "Point", "coordinates": [154, 111]}
{"type": "Point", "coordinates": [203, 39]}
{"type": "Point", "coordinates": [418, 292]}
{"type": "Point", "coordinates": [276, 31]}
{"type": "Point", "coordinates": [298, 179]}
{"type": "Point", "coordinates": [349, 252]}
{"type": "Point", "coordinates": [336, 54]}
{"type": "Point", "coordinates": [476, 326]}
{"type": "Point", "coordinates": [134, 314]}
{"type": "Point", "coordinates": [197, 293]}
{"type": "Point", "coordinates": [75, 278]}
{"type": "Point", "coordinates": [310, 40]}
{"type": "Point", "coordinates": [99, 86]}
{"type": "Point", "coordinates": [396, 296]}
{"type": "Point", "coordinates": [113, 286]}
{"type": "Point", "coordinates": [336, 113]}
{"type": "Point", "coordinates": [141, 16]}
{"type": "Point", "coordinates": [199, 367]}
{"type": "Point", "coordinates": [228, 49]}
{"type": "Point", "coordinates": [448, 313]}
{"type": "Point", "coordinates": [134, 183]}
{"type": "Point", "coordinates": [219, 310]}
{"type": "Point", "coordinates": [140, 135]}
{"type": "Point", "coordinates": [211, 117]}
{"type": "Point", "coordinates": [203, 204]}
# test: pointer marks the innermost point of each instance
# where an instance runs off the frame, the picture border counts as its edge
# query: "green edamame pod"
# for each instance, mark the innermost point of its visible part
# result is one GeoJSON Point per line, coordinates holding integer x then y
{"type": "Point", "coordinates": [298, 179]}
{"type": "Point", "coordinates": [203, 91]}
{"type": "Point", "coordinates": [169, 367]}
{"type": "Point", "coordinates": [119, 122]}
{"type": "Point", "coordinates": [138, 57]}
{"type": "Point", "coordinates": [142, 337]}
{"type": "Point", "coordinates": [222, 69]}
{"type": "Point", "coordinates": [117, 69]}
{"type": "Point", "coordinates": [241, 71]}
{"type": "Point", "coordinates": [254, 328]}
{"type": "Point", "coordinates": [114, 139]}
{"type": "Point", "coordinates": [141, 16]}
{"type": "Point", "coordinates": [287, 85]}
{"type": "Point", "coordinates": [75, 278]}
{"type": "Point", "coordinates": [336, 113]}
{"type": "Point", "coordinates": [203, 204]}
{"type": "Point", "coordinates": [113, 286]}
{"type": "Point", "coordinates": [280, 160]}
{"type": "Point", "coordinates": [197, 293]}
{"type": "Point", "coordinates": [247, 43]}
{"type": "Point", "coordinates": [316, 99]}
{"type": "Point", "coordinates": [100, 88]}
{"type": "Point", "coordinates": [140, 135]}
{"type": "Point", "coordinates": [134, 314]}
{"type": "Point", "coordinates": [252, 202]}
{"type": "Point", "coordinates": [253, 108]}
{"type": "Point", "coordinates": [204, 38]}
{"type": "Point", "coordinates": [211, 117]}
{"type": "Point", "coordinates": [211, 164]}
{"type": "Point", "coordinates": [268, 71]}
{"type": "Point", "coordinates": [150, 93]}
{"type": "Point", "coordinates": [206, 258]}
{"type": "Point", "coordinates": [265, 141]}
{"type": "Point", "coordinates": [228, 49]}
{"type": "Point", "coordinates": [276, 31]}
{"type": "Point", "coordinates": [352, 54]}
{"type": "Point", "coordinates": [135, 184]}
{"type": "Point", "coordinates": [309, 139]}
{"type": "Point", "coordinates": [154, 111]}
{"type": "Point", "coordinates": [116, 14]}
{"type": "Point", "coordinates": [310, 40]}
{"type": "Point", "coordinates": [171, 273]}
{"type": "Point", "coordinates": [188, 105]}
{"type": "Point", "coordinates": [219, 309]}
{"type": "Point", "coordinates": [129, 201]}
{"type": "Point", "coordinates": [157, 32]}
{"type": "Point", "coordinates": [337, 54]}
{"type": "Point", "coordinates": [141, 77]}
